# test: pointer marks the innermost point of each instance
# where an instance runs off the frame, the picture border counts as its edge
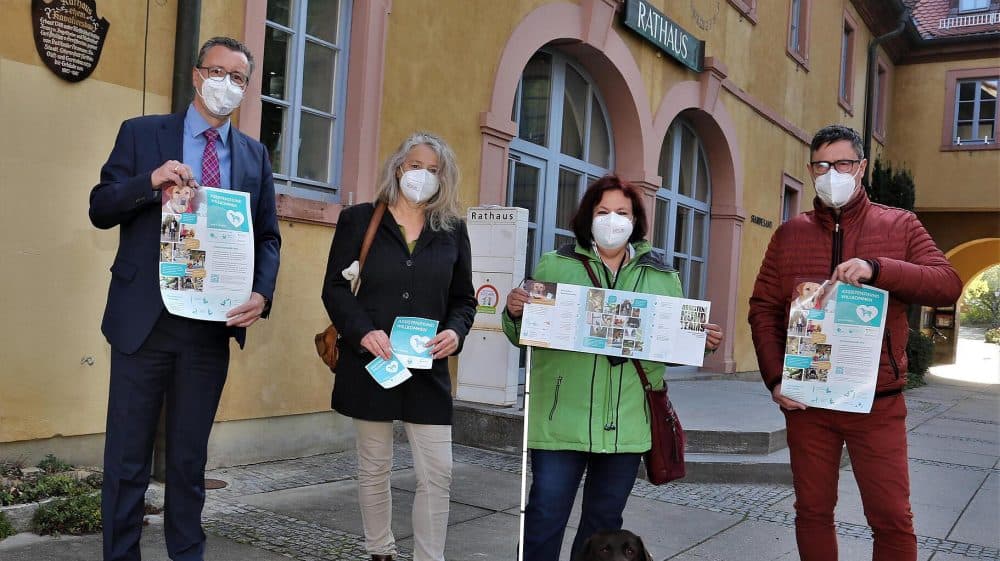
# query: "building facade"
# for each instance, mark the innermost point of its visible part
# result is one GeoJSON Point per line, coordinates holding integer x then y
{"type": "Point", "coordinates": [707, 105]}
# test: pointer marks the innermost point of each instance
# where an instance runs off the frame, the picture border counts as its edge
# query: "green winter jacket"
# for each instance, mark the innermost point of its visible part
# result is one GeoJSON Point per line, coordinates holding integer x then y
{"type": "Point", "coordinates": [579, 401]}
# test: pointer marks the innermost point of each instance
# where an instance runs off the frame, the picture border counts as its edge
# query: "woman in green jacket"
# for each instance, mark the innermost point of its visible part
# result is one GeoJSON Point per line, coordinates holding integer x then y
{"type": "Point", "coordinates": [587, 412]}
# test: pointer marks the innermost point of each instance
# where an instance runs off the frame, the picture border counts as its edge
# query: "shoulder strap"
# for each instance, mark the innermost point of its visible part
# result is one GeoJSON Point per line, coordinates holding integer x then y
{"type": "Point", "coordinates": [366, 244]}
{"type": "Point", "coordinates": [590, 270]}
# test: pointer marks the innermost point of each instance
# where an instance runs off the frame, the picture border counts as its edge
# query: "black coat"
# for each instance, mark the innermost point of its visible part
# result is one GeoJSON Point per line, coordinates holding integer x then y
{"type": "Point", "coordinates": [433, 282]}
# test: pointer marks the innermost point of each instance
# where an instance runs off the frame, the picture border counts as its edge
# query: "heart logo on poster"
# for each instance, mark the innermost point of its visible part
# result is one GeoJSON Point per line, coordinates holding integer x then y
{"type": "Point", "coordinates": [419, 343]}
{"type": "Point", "coordinates": [392, 367]}
{"type": "Point", "coordinates": [235, 218]}
{"type": "Point", "coordinates": [866, 313]}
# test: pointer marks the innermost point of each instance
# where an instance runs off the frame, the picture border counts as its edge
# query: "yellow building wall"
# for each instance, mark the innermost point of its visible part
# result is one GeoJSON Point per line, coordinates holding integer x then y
{"type": "Point", "coordinates": [55, 370]}
{"type": "Point", "coordinates": [945, 180]}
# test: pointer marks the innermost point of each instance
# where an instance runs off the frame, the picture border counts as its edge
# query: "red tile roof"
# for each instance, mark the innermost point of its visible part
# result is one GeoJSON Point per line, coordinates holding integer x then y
{"type": "Point", "coordinates": [928, 16]}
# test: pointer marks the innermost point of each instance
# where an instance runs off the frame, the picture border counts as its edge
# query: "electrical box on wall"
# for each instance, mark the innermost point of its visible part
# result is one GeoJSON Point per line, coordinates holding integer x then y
{"type": "Point", "coordinates": [488, 364]}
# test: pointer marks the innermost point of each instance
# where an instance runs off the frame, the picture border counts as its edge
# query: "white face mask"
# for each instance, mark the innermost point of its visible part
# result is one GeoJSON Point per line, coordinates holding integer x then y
{"type": "Point", "coordinates": [835, 188]}
{"type": "Point", "coordinates": [611, 231]}
{"type": "Point", "coordinates": [221, 97]}
{"type": "Point", "coordinates": [418, 185]}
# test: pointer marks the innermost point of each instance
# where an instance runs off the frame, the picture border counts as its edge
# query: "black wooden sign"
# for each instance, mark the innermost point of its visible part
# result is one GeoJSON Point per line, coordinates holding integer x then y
{"type": "Point", "coordinates": [69, 36]}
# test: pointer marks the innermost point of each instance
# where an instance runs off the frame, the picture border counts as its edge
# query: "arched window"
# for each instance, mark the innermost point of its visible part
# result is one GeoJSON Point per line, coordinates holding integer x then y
{"type": "Point", "coordinates": [681, 220]}
{"type": "Point", "coordinates": [563, 144]}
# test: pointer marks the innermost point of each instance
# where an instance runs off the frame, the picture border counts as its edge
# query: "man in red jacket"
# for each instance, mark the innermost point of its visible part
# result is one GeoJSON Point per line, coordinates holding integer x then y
{"type": "Point", "coordinates": [850, 239]}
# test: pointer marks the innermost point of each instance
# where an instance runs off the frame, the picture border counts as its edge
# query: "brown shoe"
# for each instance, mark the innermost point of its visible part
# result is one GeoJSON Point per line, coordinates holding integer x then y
{"type": "Point", "coordinates": [381, 557]}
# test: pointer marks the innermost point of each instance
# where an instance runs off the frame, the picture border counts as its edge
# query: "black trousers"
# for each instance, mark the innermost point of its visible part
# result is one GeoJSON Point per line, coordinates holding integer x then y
{"type": "Point", "coordinates": [183, 363]}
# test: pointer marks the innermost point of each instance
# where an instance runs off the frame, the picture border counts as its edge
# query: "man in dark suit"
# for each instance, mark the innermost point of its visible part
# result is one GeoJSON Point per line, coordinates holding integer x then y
{"type": "Point", "coordinates": [158, 358]}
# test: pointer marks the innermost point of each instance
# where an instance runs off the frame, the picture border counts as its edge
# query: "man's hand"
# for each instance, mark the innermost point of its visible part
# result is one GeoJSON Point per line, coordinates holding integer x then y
{"type": "Point", "coordinates": [853, 271]}
{"type": "Point", "coordinates": [516, 301]}
{"type": "Point", "coordinates": [713, 337]}
{"type": "Point", "coordinates": [377, 343]}
{"type": "Point", "coordinates": [247, 313]}
{"type": "Point", "coordinates": [444, 344]}
{"type": "Point", "coordinates": [172, 172]}
{"type": "Point", "coordinates": [785, 402]}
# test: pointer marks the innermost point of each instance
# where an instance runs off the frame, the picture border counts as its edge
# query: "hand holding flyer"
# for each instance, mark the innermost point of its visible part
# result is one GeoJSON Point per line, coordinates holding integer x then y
{"type": "Point", "coordinates": [614, 322]}
{"type": "Point", "coordinates": [833, 345]}
{"type": "Point", "coordinates": [206, 251]}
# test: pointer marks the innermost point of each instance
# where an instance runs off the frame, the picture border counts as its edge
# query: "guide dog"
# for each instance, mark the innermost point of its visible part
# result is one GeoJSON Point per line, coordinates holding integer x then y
{"type": "Point", "coordinates": [614, 545]}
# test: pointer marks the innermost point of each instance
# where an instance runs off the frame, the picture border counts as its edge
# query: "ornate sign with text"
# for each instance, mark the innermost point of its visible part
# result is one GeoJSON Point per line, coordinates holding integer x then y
{"type": "Point", "coordinates": [69, 36]}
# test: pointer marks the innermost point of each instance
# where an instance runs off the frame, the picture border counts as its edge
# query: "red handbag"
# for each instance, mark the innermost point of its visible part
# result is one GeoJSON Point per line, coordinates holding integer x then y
{"type": "Point", "coordinates": [665, 460]}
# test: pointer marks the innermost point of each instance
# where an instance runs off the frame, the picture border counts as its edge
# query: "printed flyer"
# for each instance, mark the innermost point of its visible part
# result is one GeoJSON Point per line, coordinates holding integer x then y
{"type": "Point", "coordinates": [388, 373]}
{"type": "Point", "coordinates": [206, 251]}
{"type": "Point", "coordinates": [614, 322]}
{"type": "Point", "coordinates": [409, 338]}
{"type": "Point", "coordinates": [833, 346]}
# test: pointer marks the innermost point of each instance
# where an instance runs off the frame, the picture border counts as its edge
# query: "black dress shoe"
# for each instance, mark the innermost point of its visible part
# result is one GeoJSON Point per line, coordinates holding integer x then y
{"type": "Point", "coordinates": [381, 557]}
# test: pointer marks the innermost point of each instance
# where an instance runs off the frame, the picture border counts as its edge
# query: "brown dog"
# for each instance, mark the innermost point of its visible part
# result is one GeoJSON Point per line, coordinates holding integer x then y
{"type": "Point", "coordinates": [614, 545]}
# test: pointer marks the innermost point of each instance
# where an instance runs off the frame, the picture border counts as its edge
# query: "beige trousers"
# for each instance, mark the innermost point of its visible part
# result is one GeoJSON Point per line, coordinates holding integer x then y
{"type": "Point", "coordinates": [431, 445]}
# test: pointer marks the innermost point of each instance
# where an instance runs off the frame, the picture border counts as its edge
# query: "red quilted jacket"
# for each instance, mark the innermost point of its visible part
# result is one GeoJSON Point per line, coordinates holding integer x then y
{"type": "Point", "coordinates": [905, 260]}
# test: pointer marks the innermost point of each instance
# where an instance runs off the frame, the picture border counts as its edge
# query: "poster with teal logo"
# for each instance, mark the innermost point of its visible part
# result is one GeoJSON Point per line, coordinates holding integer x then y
{"type": "Point", "coordinates": [228, 210]}
{"type": "Point", "coordinates": [409, 338]}
{"type": "Point", "coordinates": [860, 306]}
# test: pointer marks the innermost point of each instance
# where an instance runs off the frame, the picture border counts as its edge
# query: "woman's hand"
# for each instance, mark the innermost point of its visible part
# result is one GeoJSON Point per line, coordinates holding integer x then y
{"type": "Point", "coordinates": [516, 301]}
{"type": "Point", "coordinates": [377, 343]}
{"type": "Point", "coordinates": [785, 402]}
{"type": "Point", "coordinates": [713, 337]}
{"type": "Point", "coordinates": [444, 344]}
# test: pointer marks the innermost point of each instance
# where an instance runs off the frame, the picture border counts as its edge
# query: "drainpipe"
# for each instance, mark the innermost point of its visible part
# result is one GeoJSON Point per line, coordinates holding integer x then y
{"type": "Point", "coordinates": [185, 56]}
{"type": "Point", "coordinates": [869, 87]}
{"type": "Point", "coordinates": [185, 52]}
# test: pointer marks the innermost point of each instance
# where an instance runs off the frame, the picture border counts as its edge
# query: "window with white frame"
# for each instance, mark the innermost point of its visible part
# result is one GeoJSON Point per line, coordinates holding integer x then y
{"type": "Point", "coordinates": [972, 5]}
{"type": "Point", "coordinates": [303, 94]}
{"type": "Point", "coordinates": [976, 111]}
{"type": "Point", "coordinates": [563, 144]}
{"type": "Point", "coordinates": [681, 216]}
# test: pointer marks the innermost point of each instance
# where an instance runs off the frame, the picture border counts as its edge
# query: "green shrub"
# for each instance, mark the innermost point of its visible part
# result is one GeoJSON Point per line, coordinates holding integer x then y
{"type": "Point", "coordinates": [919, 354]}
{"type": "Point", "coordinates": [993, 336]}
{"type": "Point", "coordinates": [52, 464]}
{"type": "Point", "coordinates": [6, 529]}
{"type": "Point", "coordinates": [76, 515]}
{"type": "Point", "coordinates": [59, 485]}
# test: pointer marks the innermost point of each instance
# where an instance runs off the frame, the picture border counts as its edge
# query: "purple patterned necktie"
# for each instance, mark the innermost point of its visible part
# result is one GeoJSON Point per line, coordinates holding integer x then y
{"type": "Point", "coordinates": [210, 176]}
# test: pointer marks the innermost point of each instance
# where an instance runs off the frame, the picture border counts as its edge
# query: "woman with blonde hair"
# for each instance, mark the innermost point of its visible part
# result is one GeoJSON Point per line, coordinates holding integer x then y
{"type": "Point", "coordinates": [419, 265]}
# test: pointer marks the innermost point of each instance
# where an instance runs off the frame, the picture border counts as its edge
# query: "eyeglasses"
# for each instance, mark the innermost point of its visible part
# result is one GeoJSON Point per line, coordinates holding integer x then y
{"type": "Point", "coordinates": [843, 166]}
{"type": "Point", "coordinates": [219, 73]}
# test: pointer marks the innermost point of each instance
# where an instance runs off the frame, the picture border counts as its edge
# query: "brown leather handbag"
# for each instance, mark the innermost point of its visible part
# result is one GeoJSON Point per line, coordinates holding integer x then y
{"type": "Point", "coordinates": [665, 459]}
{"type": "Point", "coordinates": [326, 342]}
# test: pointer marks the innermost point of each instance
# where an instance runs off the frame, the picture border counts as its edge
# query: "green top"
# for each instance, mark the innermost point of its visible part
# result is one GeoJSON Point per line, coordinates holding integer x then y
{"type": "Point", "coordinates": [579, 401]}
{"type": "Point", "coordinates": [410, 245]}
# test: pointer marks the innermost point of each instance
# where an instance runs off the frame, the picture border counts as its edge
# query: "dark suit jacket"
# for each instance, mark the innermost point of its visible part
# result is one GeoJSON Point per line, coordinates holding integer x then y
{"type": "Point", "coordinates": [125, 198]}
{"type": "Point", "coordinates": [433, 282]}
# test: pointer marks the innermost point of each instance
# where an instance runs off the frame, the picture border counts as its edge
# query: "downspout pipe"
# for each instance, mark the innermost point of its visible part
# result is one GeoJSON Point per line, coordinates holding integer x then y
{"type": "Point", "coordinates": [185, 53]}
{"type": "Point", "coordinates": [870, 84]}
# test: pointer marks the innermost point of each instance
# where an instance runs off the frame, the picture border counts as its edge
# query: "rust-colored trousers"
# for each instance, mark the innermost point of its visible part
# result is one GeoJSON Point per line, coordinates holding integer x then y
{"type": "Point", "coordinates": [876, 443]}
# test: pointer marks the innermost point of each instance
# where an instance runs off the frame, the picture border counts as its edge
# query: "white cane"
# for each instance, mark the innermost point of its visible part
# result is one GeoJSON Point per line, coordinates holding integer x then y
{"type": "Point", "coordinates": [524, 452]}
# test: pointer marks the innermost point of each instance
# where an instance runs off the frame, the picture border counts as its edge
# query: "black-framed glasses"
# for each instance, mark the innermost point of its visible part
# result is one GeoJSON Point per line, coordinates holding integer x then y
{"type": "Point", "coordinates": [820, 167]}
{"type": "Point", "coordinates": [220, 73]}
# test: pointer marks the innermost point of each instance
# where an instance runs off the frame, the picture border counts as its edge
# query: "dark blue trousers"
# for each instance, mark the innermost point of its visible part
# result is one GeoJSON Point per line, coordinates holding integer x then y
{"type": "Point", "coordinates": [556, 476]}
{"type": "Point", "coordinates": [182, 364]}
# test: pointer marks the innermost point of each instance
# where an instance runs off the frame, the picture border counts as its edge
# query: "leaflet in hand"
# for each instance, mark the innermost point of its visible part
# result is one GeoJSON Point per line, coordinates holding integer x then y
{"type": "Point", "coordinates": [833, 345]}
{"type": "Point", "coordinates": [409, 338]}
{"type": "Point", "coordinates": [614, 322]}
{"type": "Point", "coordinates": [388, 373]}
{"type": "Point", "coordinates": [206, 251]}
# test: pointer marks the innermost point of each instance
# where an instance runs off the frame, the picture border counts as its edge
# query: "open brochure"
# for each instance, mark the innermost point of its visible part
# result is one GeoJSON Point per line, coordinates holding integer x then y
{"type": "Point", "coordinates": [833, 345]}
{"type": "Point", "coordinates": [614, 322]}
{"type": "Point", "coordinates": [206, 251]}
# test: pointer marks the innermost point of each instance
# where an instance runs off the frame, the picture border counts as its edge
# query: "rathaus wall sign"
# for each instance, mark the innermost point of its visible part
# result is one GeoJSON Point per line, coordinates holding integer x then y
{"type": "Point", "coordinates": [69, 36]}
{"type": "Point", "coordinates": [661, 31]}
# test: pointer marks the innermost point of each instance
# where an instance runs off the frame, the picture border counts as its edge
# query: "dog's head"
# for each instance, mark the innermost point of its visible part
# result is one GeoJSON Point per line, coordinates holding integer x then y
{"type": "Point", "coordinates": [614, 545]}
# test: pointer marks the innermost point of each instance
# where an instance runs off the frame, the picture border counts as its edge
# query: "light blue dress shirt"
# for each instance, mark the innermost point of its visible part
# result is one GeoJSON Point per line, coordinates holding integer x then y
{"type": "Point", "coordinates": [194, 146]}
